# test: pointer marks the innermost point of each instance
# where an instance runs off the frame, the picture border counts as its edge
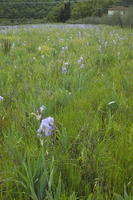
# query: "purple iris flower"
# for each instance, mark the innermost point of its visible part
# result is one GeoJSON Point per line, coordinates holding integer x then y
{"type": "Point", "coordinates": [42, 108]}
{"type": "Point", "coordinates": [46, 127]}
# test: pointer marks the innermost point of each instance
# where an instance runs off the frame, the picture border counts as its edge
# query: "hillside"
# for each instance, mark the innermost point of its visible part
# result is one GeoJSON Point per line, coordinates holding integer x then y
{"type": "Point", "coordinates": [19, 11]}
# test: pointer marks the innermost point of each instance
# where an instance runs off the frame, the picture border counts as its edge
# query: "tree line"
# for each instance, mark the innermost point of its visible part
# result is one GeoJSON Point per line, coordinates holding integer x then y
{"type": "Point", "coordinates": [55, 10]}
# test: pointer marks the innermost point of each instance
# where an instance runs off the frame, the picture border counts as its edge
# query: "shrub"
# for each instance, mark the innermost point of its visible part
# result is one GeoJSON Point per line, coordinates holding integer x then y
{"type": "Point", "coordinates": [6, 44]}
{"type": "Point", "coordinates": [60, 13]}
{"type": "Point", "coordinates": [128, 18]}
{"type": "Point", "coordinates": [114, 20]}
{"type": "Point", "coordinates": [120, 20]}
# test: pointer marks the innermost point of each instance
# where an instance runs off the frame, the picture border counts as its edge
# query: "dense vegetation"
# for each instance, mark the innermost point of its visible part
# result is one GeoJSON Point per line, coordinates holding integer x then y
{"type": "Point", "coordinates": [126, 2]}
{"type": "Point", "coordinates": [18, 11]}
{"type": "Point", "coordinates": [84, 78]}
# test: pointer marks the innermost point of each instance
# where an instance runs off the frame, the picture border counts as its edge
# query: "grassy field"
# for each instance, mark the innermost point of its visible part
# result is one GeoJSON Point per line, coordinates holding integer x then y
{"type": "Point", "coordinates": [84, 77]}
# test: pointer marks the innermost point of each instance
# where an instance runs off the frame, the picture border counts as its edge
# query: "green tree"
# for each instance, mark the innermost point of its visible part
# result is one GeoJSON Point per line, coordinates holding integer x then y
{"type": "Point", "coordinates": [60, 13]}
{"type": "Point", "coordinates": [89, 8]}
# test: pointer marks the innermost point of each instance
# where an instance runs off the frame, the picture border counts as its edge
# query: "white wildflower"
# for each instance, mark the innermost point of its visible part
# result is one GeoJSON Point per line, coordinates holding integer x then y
{"type": "Point", "coordinates": [43, 57]}
{"type": "Point", "coordinates": [39, 48]}
{"type": "Point", "coordinates": [24, 43]}
{"type": "Point", "coordinates": [64, 48]}
{"type": "Point", "coordinates": [34, 58]}
{"type": "Point", "coordinates": [66, 63]}
{"type": "Point", "coordinates": [37, 115]}
{"type": "Point", "coordinates": [1, 98]}
{"type": "Point", "coordinates": [80, 61]}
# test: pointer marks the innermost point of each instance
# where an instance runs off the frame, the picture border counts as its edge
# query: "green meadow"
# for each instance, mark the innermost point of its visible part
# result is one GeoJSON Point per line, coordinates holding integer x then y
{"type": "Point", "coordinates": [84, 77]}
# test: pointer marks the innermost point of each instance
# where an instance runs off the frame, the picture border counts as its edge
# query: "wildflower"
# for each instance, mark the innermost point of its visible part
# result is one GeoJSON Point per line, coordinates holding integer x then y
{"type": "Point", "coordinates": [114, 41]}
{"type": "Point", "coordinates": [24, 43]}
{"type": "Point", "coordinates": [46, 127]}
{"type": "Point", "coordinates": [43, 56]}
{"type": "Point", "coordinates": [68, 92]}
{"type": "Point", "coordinates": [80, 61]}
{"type": "Point", "coordinates": [42, 108]}
{"type": "Point", "coordinates": [64, 48]}
{"type": "Point", "coordinates": [65, 68]}
{"type": "Point", "coordinates": [1, 98]}
{"type": "Point", "coordinates": [61, 39]}
{"type": "Point", "coordinates": [100, 48]}
{"type": "Point", "coordinates": [37, 115]}
{"type": "Point", "coordinates": [66, 63]}
{"type": "Point", "coordinates": [34, 58]}
{"type": "Point", "coordinates": [39, 48]}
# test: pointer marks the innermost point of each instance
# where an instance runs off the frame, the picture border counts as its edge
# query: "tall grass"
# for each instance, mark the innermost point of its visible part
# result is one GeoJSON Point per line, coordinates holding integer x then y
{"type": "Point", "coordinates": [89, 156]}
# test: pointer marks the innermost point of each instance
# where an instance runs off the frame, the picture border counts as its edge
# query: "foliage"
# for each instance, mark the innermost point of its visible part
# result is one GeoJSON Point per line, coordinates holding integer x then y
{"type": "Point", "coordinates": [120, 20]}
{"type": "Point", "coordinates": [6, 44]}
{"type": "Point", "coordinates": [52, 10]}
{"type": "Point", "coordinates": [114, 20]}
{"type": "Point", "coordinates": [59, 13]}
{"type": "Point", "coordinates": [89, 8]}
{"type": "Point", "coordinates": [125, 2]}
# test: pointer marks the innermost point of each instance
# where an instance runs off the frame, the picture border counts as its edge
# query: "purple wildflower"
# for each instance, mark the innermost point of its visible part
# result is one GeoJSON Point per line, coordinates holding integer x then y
{"type": "Point", "coordinates": [65, 68]}
{"type": "Point", "coordinates": [42, 108]}
{"type": "Point", "coordinates": [46, 127]}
